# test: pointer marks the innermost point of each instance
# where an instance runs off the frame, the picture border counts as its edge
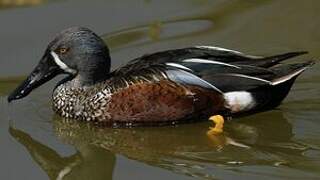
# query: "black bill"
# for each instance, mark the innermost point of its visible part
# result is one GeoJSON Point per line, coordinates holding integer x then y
{"type": "Point", "coordinates": [44, 71]}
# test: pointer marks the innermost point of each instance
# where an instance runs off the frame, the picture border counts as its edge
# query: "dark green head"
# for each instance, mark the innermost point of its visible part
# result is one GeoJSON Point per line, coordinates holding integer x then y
{"type": "Point", "coordinates": [76, 51]}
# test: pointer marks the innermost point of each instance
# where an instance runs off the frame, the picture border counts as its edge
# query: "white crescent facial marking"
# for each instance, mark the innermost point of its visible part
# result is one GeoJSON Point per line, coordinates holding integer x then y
{"type": "Point", "coordinates": [205, 61]}
{"type": "Point", "coordinates": [61, 64]}
{"type": "Point", "coordinates": [178, 66]}
{"type": "Point", "coordinates": [239, 100]}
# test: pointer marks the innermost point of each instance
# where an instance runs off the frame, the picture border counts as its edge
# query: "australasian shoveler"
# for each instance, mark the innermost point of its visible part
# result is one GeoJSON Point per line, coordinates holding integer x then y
{"type": "Point", "coordinates": [164, 87]}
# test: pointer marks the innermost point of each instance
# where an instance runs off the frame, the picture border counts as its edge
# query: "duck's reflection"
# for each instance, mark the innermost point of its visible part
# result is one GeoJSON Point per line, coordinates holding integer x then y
{"type": "Point", "coordinates": [92, 162]}
{"type": "Point", "coordinates": [147, 144]}
{"type": "Point", "coordinates": [180, 149]}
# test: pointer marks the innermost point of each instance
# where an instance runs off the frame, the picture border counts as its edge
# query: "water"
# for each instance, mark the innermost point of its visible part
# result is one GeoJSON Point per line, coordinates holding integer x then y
{"type": "Point", "coordinates": [279, 144]}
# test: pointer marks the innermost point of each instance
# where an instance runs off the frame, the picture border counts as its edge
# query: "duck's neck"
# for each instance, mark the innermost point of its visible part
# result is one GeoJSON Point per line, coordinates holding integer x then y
{"type": "Point", "coordinates": [93, 72]}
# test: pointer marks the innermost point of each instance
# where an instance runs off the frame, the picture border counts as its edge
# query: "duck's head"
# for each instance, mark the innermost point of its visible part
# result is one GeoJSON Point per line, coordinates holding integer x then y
{"type": "Point", "coordinates": [78, 52]}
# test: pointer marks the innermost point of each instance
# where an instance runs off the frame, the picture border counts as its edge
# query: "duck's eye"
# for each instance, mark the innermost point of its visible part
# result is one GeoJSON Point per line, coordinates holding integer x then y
{"type": "Point", "coordinates": [62, 50]}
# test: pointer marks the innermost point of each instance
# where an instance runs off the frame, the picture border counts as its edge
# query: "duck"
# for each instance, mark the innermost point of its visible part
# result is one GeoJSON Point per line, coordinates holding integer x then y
{"type": "Point", "coordinates": [165, 87]}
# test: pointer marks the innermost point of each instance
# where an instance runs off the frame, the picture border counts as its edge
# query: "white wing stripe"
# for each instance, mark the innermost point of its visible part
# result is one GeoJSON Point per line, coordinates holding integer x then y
{"type": "Point", "coordinates": [287, 77]}
{"type": "Point", "coordinates": [189, 78]}
{"type": "Point", "coordinates": [227, 50]}
{"type": "Point", "coordinates": [205, 61]}
{"type": "Point", "coordinates": [178, 66]}
{"type": "Point", "coordinates": [218, 49]}
{"type": "Point", "coordinates": [212, 86]}
{"type": "Point", "coordinates": [250, 77]}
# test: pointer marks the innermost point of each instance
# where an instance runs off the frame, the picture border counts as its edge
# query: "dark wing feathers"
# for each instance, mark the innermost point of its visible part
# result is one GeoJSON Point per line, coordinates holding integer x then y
{"type": "Point", "coordinates": [187, 78]}
{"type": "Point", "coordinates": [212, 68]}
{"type": "Point", "coordinates": [209, 69]}
{"type": "Point", "coordinates": [178, 55]}
{"type": "Point", "coordinates": [271, 60]}
{"type": "Point", "coordinates": [234, 82]}
{"type": "Point", "coordinates": [289, 71]}
{"type": "Point", "coordinates": [284, 69]}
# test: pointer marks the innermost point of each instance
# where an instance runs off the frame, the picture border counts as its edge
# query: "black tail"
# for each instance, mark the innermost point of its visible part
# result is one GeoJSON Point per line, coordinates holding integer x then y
{"type": "Point", "coordinates": [272, 96]}
{"type": "Point", "coordinates": [289, 71]}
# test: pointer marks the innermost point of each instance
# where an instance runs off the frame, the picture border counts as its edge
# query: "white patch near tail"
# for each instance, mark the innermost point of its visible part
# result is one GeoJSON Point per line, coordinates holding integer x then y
{"type": "Point", "coordinates": [205, 61]}
{"type": "Point", "coordinates": [239, 101]}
